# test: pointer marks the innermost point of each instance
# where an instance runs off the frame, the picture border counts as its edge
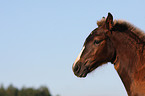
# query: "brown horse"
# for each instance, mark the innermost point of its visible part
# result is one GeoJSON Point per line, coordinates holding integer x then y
{"type": "Point", "coordinates": [121, 44]}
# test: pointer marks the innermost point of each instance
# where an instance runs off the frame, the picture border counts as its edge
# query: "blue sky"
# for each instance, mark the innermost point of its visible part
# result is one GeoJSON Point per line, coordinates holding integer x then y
{"type": "Point", "coordinates": [40, 39]}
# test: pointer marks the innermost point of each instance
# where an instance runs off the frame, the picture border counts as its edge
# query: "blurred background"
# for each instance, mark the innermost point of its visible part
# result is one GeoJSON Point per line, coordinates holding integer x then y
{"type": "Point", "coordinates": [40, 40]}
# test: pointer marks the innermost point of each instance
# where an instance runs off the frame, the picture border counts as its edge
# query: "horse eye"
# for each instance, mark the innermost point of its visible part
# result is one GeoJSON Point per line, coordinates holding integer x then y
{"type": "Point", "coordinates": [97, 41]}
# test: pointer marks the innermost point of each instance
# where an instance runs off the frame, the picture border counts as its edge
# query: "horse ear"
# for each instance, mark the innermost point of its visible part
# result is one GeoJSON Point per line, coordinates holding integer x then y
{"type": "Point", "coordinates": [109, 21]}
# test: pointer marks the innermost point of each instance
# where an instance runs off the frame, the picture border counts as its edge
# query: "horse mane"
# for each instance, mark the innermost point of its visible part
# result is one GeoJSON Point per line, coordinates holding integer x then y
{"type": "Point", "coordinates": [122, 25]}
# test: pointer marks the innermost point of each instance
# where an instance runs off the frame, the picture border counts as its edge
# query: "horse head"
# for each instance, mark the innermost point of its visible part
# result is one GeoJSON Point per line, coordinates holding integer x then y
{"type": "Point", "coordinates": [97, 49]}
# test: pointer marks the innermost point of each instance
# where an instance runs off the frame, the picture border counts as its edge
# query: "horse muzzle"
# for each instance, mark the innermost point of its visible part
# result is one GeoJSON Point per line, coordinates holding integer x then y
{"type": "Point", "coordinates": [80, 70]}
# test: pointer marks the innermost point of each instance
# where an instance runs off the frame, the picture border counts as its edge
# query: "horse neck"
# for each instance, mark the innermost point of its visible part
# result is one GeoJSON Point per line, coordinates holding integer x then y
{"type": "Point", "coordinates": [128, 58]}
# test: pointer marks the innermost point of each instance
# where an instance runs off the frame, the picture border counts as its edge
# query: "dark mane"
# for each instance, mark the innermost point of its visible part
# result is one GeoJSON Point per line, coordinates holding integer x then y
{"type": "Point", "coordinates": [121, 26]}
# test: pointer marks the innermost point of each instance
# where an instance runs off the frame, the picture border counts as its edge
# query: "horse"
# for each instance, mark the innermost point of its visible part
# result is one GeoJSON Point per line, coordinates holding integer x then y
{"type": "Point", "coordinates": [120, 43]}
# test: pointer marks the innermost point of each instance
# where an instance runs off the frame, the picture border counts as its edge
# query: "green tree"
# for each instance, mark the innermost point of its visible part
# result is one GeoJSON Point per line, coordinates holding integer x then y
{"type": "Point", "coordinates": [11, 91]}
{"type": "Point", "coordinates": [2, 91]}
{"type": "Point", "coordinates": [43, 91]}
{"type": "Point", "coordinates": [26, 92]}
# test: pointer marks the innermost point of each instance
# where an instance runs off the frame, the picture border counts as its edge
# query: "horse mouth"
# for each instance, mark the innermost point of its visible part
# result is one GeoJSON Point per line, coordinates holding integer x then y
{"type": "Point", "coordinates": [83, 74]}
{"type": "Point", "coordinates": [80, 71]}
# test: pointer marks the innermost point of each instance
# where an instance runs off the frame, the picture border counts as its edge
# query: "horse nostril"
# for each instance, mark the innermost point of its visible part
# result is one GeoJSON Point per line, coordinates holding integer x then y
{"type": "Point", "coordinates": [76, 69]}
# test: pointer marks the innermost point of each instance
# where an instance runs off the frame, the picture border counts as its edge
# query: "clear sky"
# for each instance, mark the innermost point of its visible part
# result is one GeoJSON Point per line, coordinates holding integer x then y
{"type": "Point", "coordinates": [40, 40]}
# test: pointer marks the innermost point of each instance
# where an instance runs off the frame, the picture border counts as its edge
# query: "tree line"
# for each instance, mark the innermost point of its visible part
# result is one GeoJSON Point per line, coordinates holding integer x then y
{"type": "Point", "coordinates": [13, 91]}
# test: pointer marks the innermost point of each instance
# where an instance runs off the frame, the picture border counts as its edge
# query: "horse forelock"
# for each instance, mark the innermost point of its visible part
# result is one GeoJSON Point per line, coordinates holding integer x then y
{"type": "Point", "coordinates": [101, 22]}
